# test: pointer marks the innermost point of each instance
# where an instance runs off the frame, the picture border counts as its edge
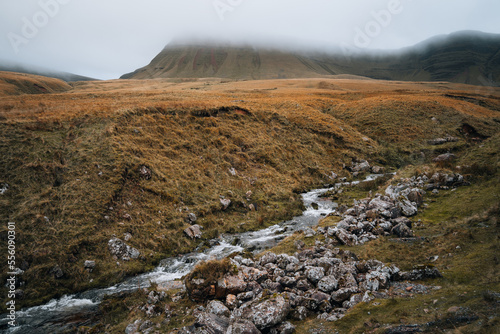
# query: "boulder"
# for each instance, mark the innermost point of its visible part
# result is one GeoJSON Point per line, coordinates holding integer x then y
{"type": "Point", "coordinates": [230, 284]}
{"type": "Point", "coordinates": [407, 208]}
{"type": "Point", "coordinates": [402, 230]}
{"type": "Point", "coordinates": [211, 323]}
{"type": "Point", "coordinates": [242, 326]}
{"type": "Point", "coordinates": [328, 284]}
{"type": "Point", "coordinates": [265, 314]}
{"type": "Point", "coordinates": [89, 265]}
{"type": "Point", "coordinates": [218, 308]}
{"type": "Point", "coordinates": [416, 197]}
{"type": "Point", "coordinates": [121, 250]}
{"type": "Point", "coordinates": [315, 274]}
{"type": "Point", "coordinates": [193, 232]}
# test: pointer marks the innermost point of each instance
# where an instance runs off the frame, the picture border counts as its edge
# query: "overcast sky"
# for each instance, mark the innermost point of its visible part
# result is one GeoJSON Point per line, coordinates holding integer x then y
{"type": "Point", "coordinates": [107, 38]}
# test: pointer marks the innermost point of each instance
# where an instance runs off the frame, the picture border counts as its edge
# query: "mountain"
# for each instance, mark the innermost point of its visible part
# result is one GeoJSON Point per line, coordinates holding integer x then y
{"type": "Point", "coordinates": [29, 69]}
{"type": "Point", "coordinates": [463, 57]}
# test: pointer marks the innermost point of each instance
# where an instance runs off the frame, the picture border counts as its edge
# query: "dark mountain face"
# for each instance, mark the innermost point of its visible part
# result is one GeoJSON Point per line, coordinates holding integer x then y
{"type": "Point", "coordinates": [464, 57]}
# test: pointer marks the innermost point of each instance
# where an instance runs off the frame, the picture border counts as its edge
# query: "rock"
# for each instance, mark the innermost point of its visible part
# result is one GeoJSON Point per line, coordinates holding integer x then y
{"type": "Point", "coordinates": [57, 272]}
{"type": "Point", "coordinates": [418, 274]}
{"type": "Point", "coordinates": [403, 220]}
{"type": "Point", "coordinates": [266, 314]}
{"type": "Point", "coordinates": [211, 323]}
{"type": "Point", "coordinates": [218, 308]}
{"type": "Point", "coordinates": [362, 166]}
{"type": "Point", "coordinates": [191, 218]}
{"type": "Point", "coordinates": [379, 204]}
{"type": "Point", "coordinates": [402, 230]}
{"type": "Point", "coordinates": [127, 236]}
{"type": "Point", "coordinates": [345, 237]}
{"type": "Point", "coordinates": [3, 188]}
{"type": "Point", "coordinates": [283, 328]}
{"type": "Point", "coordinates": [407, 208]}
{"type": "Point", "coordinates": [416, 197]}
{"type": "Point", "coordinates": [145, 172]}
{"type": "Point", "coordinates": [447, 157]}
{"type": "Point", "coordinates": [268, 257]}
{"type": "Point", "coordinates": [230, 284]}
{"type": "Point", "coordinates": [121, 250]}
{"type": "Point", "coordinates": [231, 301]}
{"type": "Point", "coordinates": [89, 265]}
{"type": "Point", "coordinates": [253, 274]}
{"type": "Point", "coordinates": [193, 232]}
{"type": "Point", "coordinates": [378, 170]}
{"type": "Point", "coordinates": [315, 274]}
{"type": "Point", "coordinates": [134, 327]}
{"type": "Point", "coordinates": [343, 294]}
{"type": "Point", "coordinates": [299, 313]}
{"type": "Point", "coordinates": [328, 284]}
{"type": "Point", "coordinates": [242, 326]}
{"type": "Point", "coordinates": [225, 203]}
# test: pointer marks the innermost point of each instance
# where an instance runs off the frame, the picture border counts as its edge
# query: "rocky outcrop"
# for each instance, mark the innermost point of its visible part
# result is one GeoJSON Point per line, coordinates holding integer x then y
{"type": "Point", "coordinates": [322, 281]}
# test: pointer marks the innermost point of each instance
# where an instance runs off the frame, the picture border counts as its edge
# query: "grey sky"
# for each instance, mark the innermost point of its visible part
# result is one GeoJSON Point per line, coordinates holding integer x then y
{"type": "Point", "coordinates": [107, 38]}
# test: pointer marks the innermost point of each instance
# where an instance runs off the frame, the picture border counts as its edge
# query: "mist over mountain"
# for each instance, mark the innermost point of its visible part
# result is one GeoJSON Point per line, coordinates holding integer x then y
{"type": "Point", "coordinates": [464, 57]}
{"type": "Point", "coordinates": [30, 69]}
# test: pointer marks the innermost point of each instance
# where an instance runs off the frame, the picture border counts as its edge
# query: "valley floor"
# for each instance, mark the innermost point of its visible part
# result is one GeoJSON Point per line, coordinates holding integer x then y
{"type": "Point", "coordinates": [135, 160]}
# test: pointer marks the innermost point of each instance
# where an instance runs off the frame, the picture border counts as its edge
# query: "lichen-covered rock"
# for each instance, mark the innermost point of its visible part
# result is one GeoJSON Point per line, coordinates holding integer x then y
{"type": "Point", "coordinates": [265, 314]}
{"type": "Point", "coordinates": [121, 250]}
{"type": "Point", "coordinates": [407, 208]}
{"type": "Point", "coordinates": [328, 284]}
{"type": "Point", "coordinates": [315, 274]}
{"type": "Point", "coordinates": [211, 322]}
{"type": "Point", "coordinates": [242, 326]}
{"type": "Point", "coordinates": [268, 257]}
{"type": "Point", "coordinates": [218, 308]}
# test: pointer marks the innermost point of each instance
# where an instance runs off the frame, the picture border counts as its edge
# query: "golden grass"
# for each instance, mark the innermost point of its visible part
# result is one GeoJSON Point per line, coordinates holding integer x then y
{"type": "Point", "coordinates": [72, 156]}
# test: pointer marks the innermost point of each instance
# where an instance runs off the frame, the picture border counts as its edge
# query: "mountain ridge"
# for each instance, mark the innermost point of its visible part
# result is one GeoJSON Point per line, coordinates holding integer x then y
{"type": "Point", "coordinates": [462, 57]}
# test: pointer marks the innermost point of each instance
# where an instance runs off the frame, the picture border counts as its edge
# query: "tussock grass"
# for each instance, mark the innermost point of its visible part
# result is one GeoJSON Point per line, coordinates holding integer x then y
{"type": "Point", "coordinates": [72, 161]}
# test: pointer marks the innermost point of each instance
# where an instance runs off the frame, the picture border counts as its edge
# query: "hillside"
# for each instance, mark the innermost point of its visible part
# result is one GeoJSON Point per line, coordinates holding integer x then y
{"type": "Point", "coordinates": [12, 83]}
{"type": "Point", "coordinates": [464, 57]}
{"type": "Point", "coordinates": [132, 159]}
{"type": "Point", "coordinates": [36, 70]}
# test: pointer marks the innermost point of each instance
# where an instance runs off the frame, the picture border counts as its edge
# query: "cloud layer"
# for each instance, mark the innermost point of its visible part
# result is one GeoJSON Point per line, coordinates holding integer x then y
{"type": "Point", "coordinates": [105, 39]}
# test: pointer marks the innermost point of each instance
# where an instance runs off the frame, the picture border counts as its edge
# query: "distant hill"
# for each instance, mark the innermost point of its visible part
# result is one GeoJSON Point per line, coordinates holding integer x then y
{"type": "Point", "coordinates": [12, 83]}
{"type": "Point", "coordinates": [68, 77]}
{"type": "Point", "coordinates": [463, 57]}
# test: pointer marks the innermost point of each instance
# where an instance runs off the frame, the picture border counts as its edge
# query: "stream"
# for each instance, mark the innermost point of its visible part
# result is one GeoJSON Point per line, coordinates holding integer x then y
{"type": "Point", "coordinates": [80, 309]}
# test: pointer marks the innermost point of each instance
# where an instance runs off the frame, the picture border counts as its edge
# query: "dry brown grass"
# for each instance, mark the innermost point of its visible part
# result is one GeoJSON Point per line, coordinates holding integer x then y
{"type": "Point", "coordinates": [72, 156]}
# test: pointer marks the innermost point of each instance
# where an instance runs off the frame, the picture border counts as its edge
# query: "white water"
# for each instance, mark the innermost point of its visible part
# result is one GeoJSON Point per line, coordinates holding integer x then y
{"type": "Point", "coordinates": [76, 310]}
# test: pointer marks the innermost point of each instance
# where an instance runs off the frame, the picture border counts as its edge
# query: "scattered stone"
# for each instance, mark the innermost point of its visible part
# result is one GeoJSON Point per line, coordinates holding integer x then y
{"type": "Point", "coordinates": [57, 272]}
{"type": "Point", "coordinates": [3, 188]}
{"type": "Point", "coordinates": [145, 172]}
{"type": "Point", "coordinates": [218, 308]}
{"type": "Point", "coordinates": [445, 157]}
{"type": "Point", "coordinates": [225, 203]}
{"type": "Point", "coordinates": [191, 218]}
{"type": "Point", "coordinates": [89, 265]}
{"type": "Point", "coordinates": [193, 232]}
{"type": "Point", "coordinates": [121, 250]}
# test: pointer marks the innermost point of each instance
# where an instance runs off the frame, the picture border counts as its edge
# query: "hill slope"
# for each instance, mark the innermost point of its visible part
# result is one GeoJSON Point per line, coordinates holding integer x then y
{"type": "Point", "coordinates": [464, 57]}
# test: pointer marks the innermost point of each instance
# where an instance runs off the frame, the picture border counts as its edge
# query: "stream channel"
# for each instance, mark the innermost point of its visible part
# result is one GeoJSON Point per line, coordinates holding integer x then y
{"type": "Point", "coordinates": [80, 309]}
